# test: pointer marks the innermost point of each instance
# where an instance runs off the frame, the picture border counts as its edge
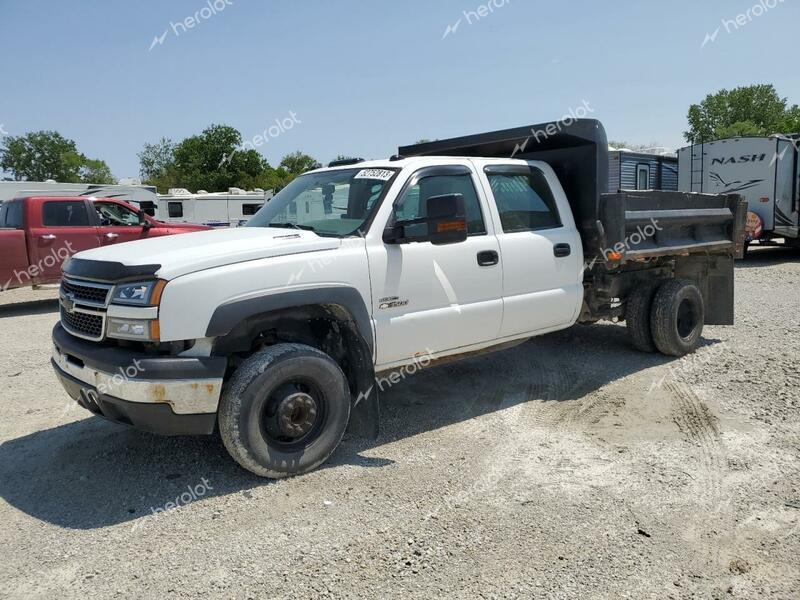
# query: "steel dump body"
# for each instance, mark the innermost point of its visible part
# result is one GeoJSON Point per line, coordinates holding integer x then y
{"type": "Point", "coordinates": [680, 223]}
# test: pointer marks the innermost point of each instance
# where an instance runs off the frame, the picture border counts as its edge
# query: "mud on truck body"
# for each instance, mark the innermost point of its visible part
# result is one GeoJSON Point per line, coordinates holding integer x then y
{"type": "Point", "coordinates": [274, 334]}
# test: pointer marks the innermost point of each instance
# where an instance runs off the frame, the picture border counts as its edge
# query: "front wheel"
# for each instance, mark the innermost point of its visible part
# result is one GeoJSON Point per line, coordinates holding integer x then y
{"type": "Point", "coordinates": [677, 317]}
{"type": "Point", "coordinates": [284, 411]}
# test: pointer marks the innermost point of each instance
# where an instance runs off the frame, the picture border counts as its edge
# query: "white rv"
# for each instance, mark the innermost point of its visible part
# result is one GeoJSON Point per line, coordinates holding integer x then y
{"type": "Point", "coordinates": [764, 170]}
{"type": "Point", "coordinates": [134, 194]}
{"type": "Point", "coordinates": [217, 209]}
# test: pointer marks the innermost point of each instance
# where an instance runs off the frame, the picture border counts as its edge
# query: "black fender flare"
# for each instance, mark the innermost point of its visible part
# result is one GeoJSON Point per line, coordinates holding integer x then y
{"type": "Point", "coordinates": [347, 301]}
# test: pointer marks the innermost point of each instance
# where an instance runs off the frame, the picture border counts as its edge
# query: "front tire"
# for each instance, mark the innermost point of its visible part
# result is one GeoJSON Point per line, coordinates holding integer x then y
{"type": "Point", "coordinates": [284, 411]}
{"type": "Point", "coordinates": [677, 317]}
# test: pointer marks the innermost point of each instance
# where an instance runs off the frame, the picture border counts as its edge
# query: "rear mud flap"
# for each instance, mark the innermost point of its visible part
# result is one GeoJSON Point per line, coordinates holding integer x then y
{"type": "Point", "coordinates": [714, 276]}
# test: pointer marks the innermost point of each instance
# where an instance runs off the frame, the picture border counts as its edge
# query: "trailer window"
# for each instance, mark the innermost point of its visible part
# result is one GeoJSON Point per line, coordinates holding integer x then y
{"type": "Point", "coordinates": [643, 177]}
{"type": "Point", "coordinates": [250, 209]}
{"type": "Point", "coordinates": [65, 214]}
{"type": "Point", "coordinates": [175, 209]}
{"type": "Point", "coordinates": [524, 200]}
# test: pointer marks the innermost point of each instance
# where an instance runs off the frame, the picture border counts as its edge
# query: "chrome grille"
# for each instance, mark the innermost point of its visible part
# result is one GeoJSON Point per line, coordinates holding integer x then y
{"type": "Point", "coordinates": [83, 308]}
{"type": "Point", "coordinates": [82, 323]}
{"type": "Point", "coordinates": [93, 294]}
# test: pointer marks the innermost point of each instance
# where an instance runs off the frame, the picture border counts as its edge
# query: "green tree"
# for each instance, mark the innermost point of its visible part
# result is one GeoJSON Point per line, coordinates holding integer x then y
{"type": "Point", "coordinates": [750, 110]}
{"type": "Point", "coordinates": [157, 164]}
{"type": "Point", "coordinates": [298, 163]}
{"type": "Point", "coordinates": [635, 147]}
{"type": "Point", "coordinates": [96, 171]}
{"type": "Point", "coordinates": [41, 155]}
{"type": "Point", "coordinates": [214, 161]}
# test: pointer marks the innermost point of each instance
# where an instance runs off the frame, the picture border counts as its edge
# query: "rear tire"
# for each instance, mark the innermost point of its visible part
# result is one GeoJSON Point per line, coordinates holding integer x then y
{"type": "Point", "coordinates": [637, 316]}
{"type": "Point", "coordinates": [677, 317]}
{"type": "Point", "coordinates": [284, 411]}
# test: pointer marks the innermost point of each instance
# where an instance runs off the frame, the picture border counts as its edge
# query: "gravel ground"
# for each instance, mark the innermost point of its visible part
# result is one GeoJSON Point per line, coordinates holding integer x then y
{"type": "Point", "coordinates": [570, 466]}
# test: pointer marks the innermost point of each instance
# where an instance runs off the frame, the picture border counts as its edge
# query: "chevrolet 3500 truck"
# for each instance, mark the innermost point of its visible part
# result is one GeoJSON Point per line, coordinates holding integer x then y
{"type": "Point", "coordinates": [273, 333]}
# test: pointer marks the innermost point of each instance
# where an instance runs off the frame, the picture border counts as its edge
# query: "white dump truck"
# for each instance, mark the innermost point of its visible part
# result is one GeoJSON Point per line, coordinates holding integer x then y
{"type": "Point", "coordinates": [274, 333]}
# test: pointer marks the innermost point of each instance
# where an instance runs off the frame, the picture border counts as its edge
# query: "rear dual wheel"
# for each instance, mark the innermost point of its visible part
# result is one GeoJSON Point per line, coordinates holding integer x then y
{"type": "Point", "coordinates": [667, 317]}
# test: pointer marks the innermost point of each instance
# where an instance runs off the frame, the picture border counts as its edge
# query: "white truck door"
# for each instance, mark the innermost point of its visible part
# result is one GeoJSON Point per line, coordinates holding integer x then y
{"type": "Point", "coordinates": [540, 245]}
{"type": "Point", "coordinates": [433, 298]}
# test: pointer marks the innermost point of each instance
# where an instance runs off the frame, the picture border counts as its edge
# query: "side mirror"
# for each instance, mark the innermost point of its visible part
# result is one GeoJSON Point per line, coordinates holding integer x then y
{"type": "Point", "coordinates": [445, 223]}
{"type": "Point", "coordinates": [143, 220]}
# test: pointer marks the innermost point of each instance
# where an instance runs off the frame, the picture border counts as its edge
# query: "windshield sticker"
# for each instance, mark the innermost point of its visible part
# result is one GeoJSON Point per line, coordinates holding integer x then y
{"type": "Point", "coordinates": [380, 174]}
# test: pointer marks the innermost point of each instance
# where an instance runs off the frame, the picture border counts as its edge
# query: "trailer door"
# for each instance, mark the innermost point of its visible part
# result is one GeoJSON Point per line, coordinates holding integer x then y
{"type": "Point", "coordinates": [786, 213]}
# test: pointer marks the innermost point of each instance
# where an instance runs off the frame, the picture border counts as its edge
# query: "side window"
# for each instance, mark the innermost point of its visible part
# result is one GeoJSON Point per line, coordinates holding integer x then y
{"type": "Point", "coordinates": [175, 209]}
{"type": "Point", "coordinates": [643, 177]}
{"type": "Point", "coordinates": [11, 215]}
{"type": "Point", "coordinates": [524, 199]}
{"type": "Point", "coordinates": [412, 204]}
{"type": "Point", "coordinates": [65, 214]}
{"type": "Point", "coordinates": [116, 215]}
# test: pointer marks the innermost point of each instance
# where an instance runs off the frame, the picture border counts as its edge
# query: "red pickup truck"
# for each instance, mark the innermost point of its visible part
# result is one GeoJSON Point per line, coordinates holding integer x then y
{"type": "Point", "coordinates": [38, 233]}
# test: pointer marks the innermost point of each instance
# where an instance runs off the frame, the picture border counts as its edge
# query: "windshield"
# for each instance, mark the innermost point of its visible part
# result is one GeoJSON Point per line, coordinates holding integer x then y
{"type": "Point", "coordinates": [333, 203]}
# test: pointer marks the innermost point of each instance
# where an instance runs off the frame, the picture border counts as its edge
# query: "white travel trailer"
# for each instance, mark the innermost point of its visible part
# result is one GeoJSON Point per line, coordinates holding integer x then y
{"type": "Point", "coordinates": [134, 194]}
{"type": "Point", "coordinates": [764, 170]}
{"type": "Point", "coordinates": [217, 209]}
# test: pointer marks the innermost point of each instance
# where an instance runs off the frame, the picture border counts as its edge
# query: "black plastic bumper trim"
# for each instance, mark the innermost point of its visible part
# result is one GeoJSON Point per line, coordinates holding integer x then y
{"type": "Point", "coordinates": [111, 359]}
{"type": "Point", "coordinates": [153, 418]}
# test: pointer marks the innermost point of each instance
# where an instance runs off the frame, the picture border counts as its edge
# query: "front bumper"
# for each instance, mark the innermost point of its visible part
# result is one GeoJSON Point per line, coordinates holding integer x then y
{"type": "Point", "coordinates": [161, 394]}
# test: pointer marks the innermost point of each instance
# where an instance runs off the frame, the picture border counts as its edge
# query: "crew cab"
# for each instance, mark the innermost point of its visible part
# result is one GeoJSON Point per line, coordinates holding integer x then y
{"type": "Point", "coordinates": [274, 334]}
{"type": "Point", "coordinates": [38, 233]}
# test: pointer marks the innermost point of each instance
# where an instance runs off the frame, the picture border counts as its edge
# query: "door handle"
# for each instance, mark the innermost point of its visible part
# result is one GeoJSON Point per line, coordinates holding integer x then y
{"type": "Point", "coordinates": [488, 258]}
{"type": "Point", "coordinates": [112, 236]}
{"type": "Point", "coordinates": [49, 237]}
{"type": "Point", "coordinates": [562, 250]}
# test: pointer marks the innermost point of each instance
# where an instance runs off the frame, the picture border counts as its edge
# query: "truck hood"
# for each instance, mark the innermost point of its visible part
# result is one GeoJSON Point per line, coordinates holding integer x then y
{"type": "Point", "coordinates": [190, 252]}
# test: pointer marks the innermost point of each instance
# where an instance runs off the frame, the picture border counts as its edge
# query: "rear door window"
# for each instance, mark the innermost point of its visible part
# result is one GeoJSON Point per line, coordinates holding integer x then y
{"type": "Point", "coordinates": [65, 214]}
{"type": "Point", "coordinates": [524, 198]}
{"type": "Point", "coordinates": [11, 214]}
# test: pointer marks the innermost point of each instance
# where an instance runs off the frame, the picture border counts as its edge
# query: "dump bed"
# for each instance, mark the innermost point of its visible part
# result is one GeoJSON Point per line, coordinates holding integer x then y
{"type": "Point", "coordinates": [612, 226]}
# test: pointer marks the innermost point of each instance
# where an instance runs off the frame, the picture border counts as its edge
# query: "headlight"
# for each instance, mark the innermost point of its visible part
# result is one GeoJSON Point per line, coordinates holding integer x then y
{"type": "Point", "coordinates": [145, 293]}
{"type": "Point", "coordinates": [133, 329]}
